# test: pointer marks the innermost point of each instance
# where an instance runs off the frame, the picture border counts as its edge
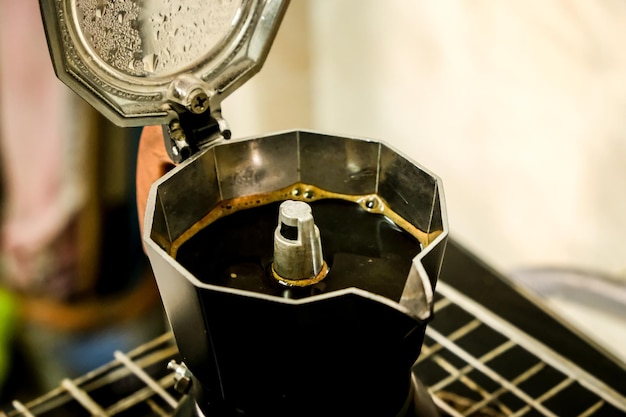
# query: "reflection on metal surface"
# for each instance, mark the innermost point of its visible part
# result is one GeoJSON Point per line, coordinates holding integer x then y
{"type": "Point", "coordinates": [209, 231]}
{"type": "Point", "coordinates": [125, 57]}
{"type": "Point", "coordinates": [297, 244]}
{"type": "Point", "coordinates": [147, 38]}
{"type": "Point", "coordinates": [243, 174]}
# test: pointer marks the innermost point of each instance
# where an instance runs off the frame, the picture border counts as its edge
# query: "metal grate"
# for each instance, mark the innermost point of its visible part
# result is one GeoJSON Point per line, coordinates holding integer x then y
{"type": "Point", "coordinates": [473, 363]}
{"type": "Point", "coordinates": [134, 384]}
{"type": "Point", "coordinates": [476, 364]}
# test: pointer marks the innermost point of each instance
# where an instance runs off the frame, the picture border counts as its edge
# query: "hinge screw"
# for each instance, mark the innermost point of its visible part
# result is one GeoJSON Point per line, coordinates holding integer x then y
{"type": "Point", "coordinates": [198, 101]}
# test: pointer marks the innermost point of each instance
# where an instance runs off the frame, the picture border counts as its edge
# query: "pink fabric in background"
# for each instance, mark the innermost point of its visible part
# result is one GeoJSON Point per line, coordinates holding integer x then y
{"type": "Point", "coordinates": [41, 194]}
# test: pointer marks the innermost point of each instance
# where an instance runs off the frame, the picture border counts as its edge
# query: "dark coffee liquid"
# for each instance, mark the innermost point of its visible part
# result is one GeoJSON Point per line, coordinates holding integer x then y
{"type": "Point", "coordinates": [362, 249]}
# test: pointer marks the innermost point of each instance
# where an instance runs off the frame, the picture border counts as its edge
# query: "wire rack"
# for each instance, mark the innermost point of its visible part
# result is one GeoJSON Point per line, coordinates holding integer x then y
{"type": "Point", "coordinates": [136, 384]}
{"type": "Point", "coordinates": [473, 363]}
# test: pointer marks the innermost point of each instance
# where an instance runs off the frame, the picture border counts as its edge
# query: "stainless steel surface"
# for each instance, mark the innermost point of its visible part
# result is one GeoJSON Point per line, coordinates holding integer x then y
{"type": "Point", "coordinates": [209, 315]}
{"type": "Point", "coordinates": [132, 60]}
{"type": "Point", "coordinates": [368, 171]}
{"type": "Point", "coordinates": [297, 245]}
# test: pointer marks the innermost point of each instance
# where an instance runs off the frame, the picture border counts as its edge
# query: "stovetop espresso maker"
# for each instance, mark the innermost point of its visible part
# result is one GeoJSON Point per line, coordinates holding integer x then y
{"type": "Point", "coordinates": [297, 269]}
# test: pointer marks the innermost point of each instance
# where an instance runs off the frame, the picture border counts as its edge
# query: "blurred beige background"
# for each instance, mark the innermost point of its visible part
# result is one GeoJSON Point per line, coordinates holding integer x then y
{"type": "Point", "coordinates": [519, 106]}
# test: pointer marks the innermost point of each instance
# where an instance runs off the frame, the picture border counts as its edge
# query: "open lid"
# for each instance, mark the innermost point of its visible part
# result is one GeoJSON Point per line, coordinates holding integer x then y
{"type": "Point", "coordinates": [137, 61]}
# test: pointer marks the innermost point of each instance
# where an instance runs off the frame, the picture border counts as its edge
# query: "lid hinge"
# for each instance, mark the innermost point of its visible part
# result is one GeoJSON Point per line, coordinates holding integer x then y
{"type": "Point", "coordinates": [186, 133]}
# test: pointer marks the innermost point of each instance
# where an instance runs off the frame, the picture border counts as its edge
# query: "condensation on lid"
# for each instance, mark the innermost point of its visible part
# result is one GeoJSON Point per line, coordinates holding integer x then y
{"type": "Point", "coordinates": [147, 38]}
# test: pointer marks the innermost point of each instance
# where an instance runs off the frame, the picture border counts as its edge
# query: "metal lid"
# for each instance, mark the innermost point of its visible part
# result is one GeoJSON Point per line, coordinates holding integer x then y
{"type": "Point", "coordinates": [136, 60]}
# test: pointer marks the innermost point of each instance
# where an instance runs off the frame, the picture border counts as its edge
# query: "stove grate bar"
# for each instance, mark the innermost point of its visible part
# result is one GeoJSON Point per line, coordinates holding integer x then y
{"type": "Point", "coordinates": [140, 396]}
{"type": "Point", "coordinates": [441, 303]}
{"type": "Point", "coordinates": [445, 407]}
{"type": "Point", "coordinates": [547, 395]}
{"type": "Point", "coordinates": [461, 353]}
{"type": "Point", "coordinates": [591, 410]}
{"type": "Point", "coordinates": [459, 373]}
{"type": "Point", "coordinates": [499, 392]}
{"type": "Point", "coordinates": [457, 334]}
{"type": "Point", "coordinates": [147, 379]}
{"type": "Point", "coordinates": [157, 409]}
{"type": "Point", "coordinates": [159, 350]}
{"type": "Point", "coordinates": [461, 376]}
{"type": "Point", "coordinates": [25, 412]}
{"type": "Point", "coordinates": [83, 399]}
{"type": "Point", "coordinates": [120, 371]}
{"type": "Point", "coordinates": [542, 360]}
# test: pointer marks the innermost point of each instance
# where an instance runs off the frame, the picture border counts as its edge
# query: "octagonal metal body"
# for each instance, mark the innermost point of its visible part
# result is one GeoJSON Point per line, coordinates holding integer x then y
{"type": "Point", "coordinates": [256, 350]}
{"type": "Point", "coordinates": [132, 59]}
